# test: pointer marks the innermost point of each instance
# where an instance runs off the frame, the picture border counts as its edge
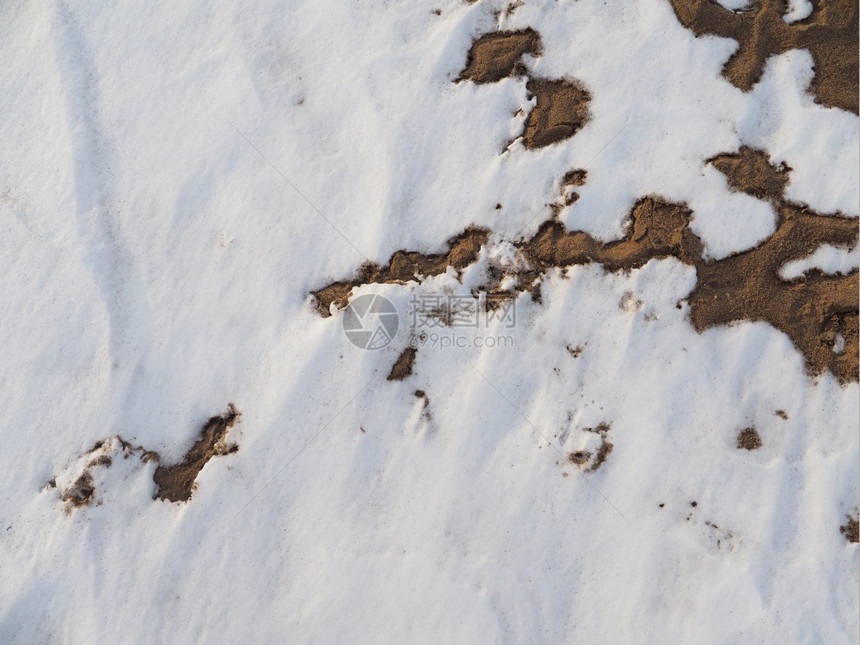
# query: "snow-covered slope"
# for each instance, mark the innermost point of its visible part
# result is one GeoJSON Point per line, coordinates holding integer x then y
{"type": "Point", "coordinates": [174, 182]}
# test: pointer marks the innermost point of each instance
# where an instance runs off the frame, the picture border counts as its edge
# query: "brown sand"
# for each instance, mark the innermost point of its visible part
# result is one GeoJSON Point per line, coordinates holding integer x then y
{"type": "Point", "coordinates": [82, 492]}
{"type": "Point", "coordinates": [811, 310]}
{"type": "Point", "coordinates": [497, 55]}
{"type": "Point", "coordinates": [421, 394]}
{"type": "Point", "coordinates": [818, 312]}
{"type": "Point", "coordinates": [605, 446]}
{"type": "Point", "coordinates": [576, 352]}
{"type": "Point", "coordinates": [176, 483]}
{"type": "Point", "coordinates": [102, 460]}
{"type": "Point", "coordinates": [576, 177]}
{"type": "Point", "coordinates": [579, 458]}
{"type": "Point", "coordinates": [656, 229]}
{"type": "Point", "coordinates": [403, 266]}
{"type": "Point", "coordinates": [582, 458]}
{"type": "Point", "coordinates": [560, 111]}
{"type": "Point", "coordinates": [749, 439]}
{"type": "Point", "coordinates": [851, 529]}
{"type": "Point", "coordinates": [403, 365]}
{"type": "Point", "coordinates": [561, 106]}
{"type": "Point", "coordinates": [749, 171]}
{"type": "Point", "coordinates": [814, 311]}
{"type": "Point", "coordinates": [830, 34]}
{"type": "Point", "coordinates": [602, 454]}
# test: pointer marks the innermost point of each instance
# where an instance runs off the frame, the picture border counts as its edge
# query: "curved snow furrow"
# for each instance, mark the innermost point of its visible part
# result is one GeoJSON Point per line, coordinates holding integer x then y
{"type": "Point", "coordinates": [95, 167]}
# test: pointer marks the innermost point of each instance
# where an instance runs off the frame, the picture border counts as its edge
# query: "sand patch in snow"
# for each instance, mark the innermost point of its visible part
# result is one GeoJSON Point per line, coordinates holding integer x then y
{"type": "Point", "coordinates": [560, 110]}
{"type": "Point", "coordinates": [749, 439]}
{"type": "Point", "coordinates": [851, 529]}
{"type": "Point", "coordinates": [405, 266]}
{"type": "Point", "coordinates": [402, 367]}
{"type": "Point", "coordinates": [561, 106]}
{"type": "Point", "coordinates": [830, 34]}
{"type": "Point", "coordinates": [81, 491]}
{"type": "Point", "coordinates": [818, 312]}
{"type": "Point", "coordinates": [497, 55]}
{"type": "Point", "coordinates": [176, 483]}
{"type": "Point", "coordinates": [749, 171]}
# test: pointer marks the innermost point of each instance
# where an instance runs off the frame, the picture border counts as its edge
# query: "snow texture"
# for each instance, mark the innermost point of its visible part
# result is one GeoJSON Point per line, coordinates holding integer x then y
{"type": "Point", "coordinates": [176, 178]}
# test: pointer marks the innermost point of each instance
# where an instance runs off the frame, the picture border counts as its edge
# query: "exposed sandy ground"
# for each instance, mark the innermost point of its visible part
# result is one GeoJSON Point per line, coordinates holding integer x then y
{"type": "Point", "coordinates": [818, 312]}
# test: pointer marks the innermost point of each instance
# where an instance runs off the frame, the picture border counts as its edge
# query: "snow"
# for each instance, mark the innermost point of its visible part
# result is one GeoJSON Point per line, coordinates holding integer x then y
{"type": "Point", "coordinates": [157, 267]}
{"type": "Point", "coordinates": [734, 5]}
{"type": "Point", "coordinates": [827, 259]}
{"type": "Point", "coordinates": [798, 10]}
{"type": "Point", "coordinates": [795, 9]}
{"type": "Point", "coordinates": [817, 143]}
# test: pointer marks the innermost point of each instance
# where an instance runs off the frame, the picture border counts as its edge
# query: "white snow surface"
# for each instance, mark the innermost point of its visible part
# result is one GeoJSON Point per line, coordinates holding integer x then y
{"type": "Point", "coordinates": [798, 10]}
{"type": "Point", "coordinates": [827, 258]}
{"type": "Point", "coordinates": [795, 9]}
{"type": "Point", "coordinates": [735, 5]}
{"type": "Point", "coordinates": [176, 178]}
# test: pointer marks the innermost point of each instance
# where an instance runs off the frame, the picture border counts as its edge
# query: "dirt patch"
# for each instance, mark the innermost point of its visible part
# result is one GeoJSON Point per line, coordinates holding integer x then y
{"type": "Point", "coordinates": [588, 461]}
{"type": "Point", "coordinates": [561, 106]}
{"type": "Point", "coordinates": [103, 460]}
{"type": "Point", "coordinates": [576, 177]}
{"type": "Point", "coordinates": [571, 180]}
{"type": "Point", "coordinates": [655, 229]}
{"type": "Point", "coordinates": [604, 449]}
{"type": "Point", "coordinates": [579, 458]}
{"type": "Point", "coordinates": [560, 111]}
{"type": "Point", "coordinates": [403, 365]}
{"type": "Point", "coordinates": [576, 352]}
{"type": "Point", "coordinates": [425, 407]}
{"type": "Point", "coordinates": [129, 449]}
{"type": "Point", "coordinates": [176, 483]}
{"type": "Point", "coordinates": [497, 55]}
{"type": "Point", "coordinates": [81, 492]}
{"type": "Point", "coordinates": [818, 312]}
{"type": "Point", "coordinates": [850, 529]}
{"type": "Point", "coordinates": [97, 446]}
{"type": "Point", "coordinates": [750, 171]}
{"type": "Point", "coordinates": [404, 266]}
{"type": "Point", "coordinates": [782, 414]}
{"type": "Point", "coordinates": [512, 8]}
{"type": "Point", "coordinates": [813, 310]}
{"type": "Point", "coordinates": [830, 34]}
{"type": "Point", "coordinates": [749, 439]}
{"type": "Point", "coordinates": [602, 453]}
